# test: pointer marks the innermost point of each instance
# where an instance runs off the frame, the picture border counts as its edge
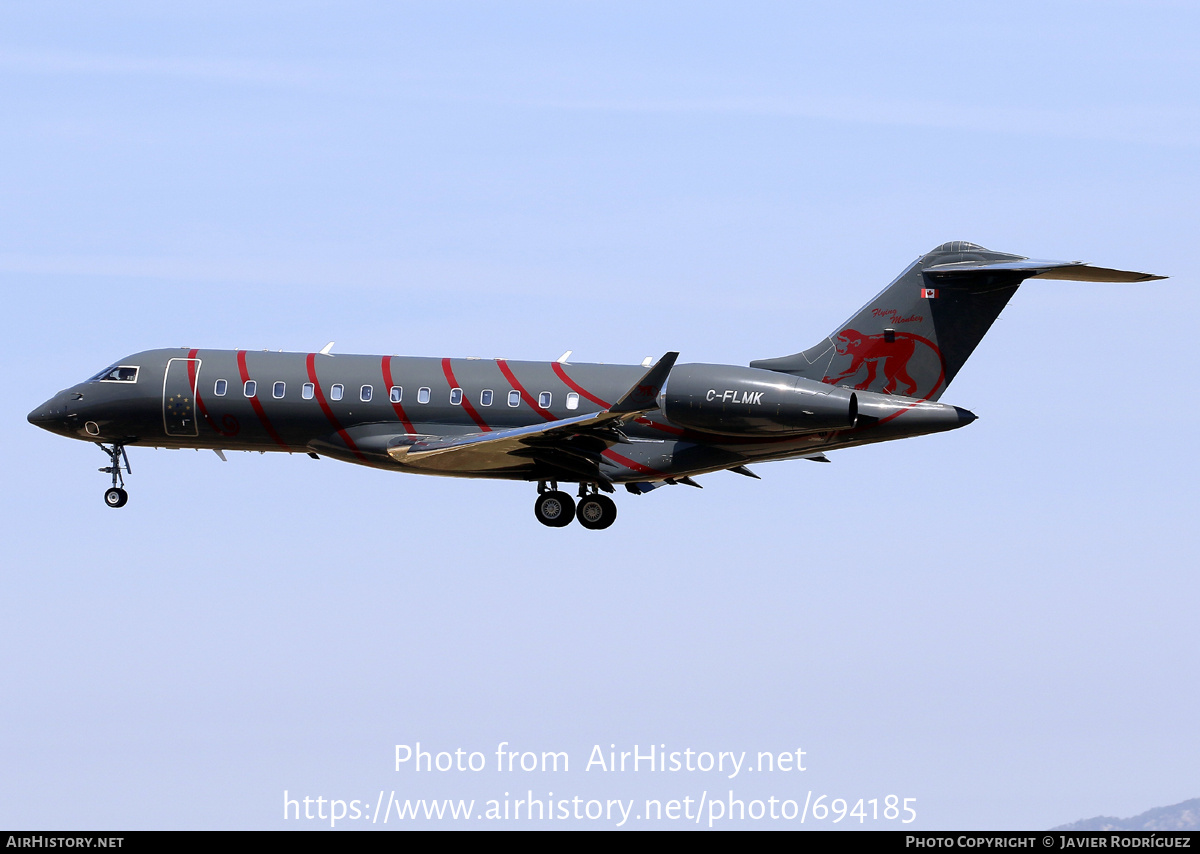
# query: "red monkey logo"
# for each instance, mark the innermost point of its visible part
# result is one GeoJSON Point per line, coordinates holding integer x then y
{"type": "Point", "coordinates": [892, 357]}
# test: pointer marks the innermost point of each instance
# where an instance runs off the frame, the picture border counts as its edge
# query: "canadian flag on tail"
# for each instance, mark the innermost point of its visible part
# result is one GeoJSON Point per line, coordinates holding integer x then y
{"type": "Point", "coordinates": [928, 293]}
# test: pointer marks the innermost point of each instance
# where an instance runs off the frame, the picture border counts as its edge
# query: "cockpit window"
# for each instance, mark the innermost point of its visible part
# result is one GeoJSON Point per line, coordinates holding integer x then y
{"type": "Point", "coordinates": [117, 374]}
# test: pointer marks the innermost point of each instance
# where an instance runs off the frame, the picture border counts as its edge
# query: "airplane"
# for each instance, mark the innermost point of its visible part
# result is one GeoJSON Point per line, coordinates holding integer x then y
{"type": "Point", "coordinates": [876, 378]}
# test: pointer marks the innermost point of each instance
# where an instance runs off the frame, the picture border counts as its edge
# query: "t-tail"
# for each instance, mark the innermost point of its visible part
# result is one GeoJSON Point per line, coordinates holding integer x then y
{"type": "Point", "coordinates": [915, 336]}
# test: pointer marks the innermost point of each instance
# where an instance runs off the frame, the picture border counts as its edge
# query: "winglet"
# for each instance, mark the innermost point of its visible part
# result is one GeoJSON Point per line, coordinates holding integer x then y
{"type": "Point", "coordinates": [644, 394]}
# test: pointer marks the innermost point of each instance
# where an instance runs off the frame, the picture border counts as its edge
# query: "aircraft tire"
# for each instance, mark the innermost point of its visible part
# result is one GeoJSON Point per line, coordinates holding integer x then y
{"type": "Point", "coordinates": [596, 512]}
{"type": "Point", "coordinates": [554, 509]}
{"type": "Point", "coordinates": [116, 497]}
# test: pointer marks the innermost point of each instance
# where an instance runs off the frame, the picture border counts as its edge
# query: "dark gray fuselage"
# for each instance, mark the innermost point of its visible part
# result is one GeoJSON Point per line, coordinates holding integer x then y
{"type": "Point", "coordinates": [201, 399]}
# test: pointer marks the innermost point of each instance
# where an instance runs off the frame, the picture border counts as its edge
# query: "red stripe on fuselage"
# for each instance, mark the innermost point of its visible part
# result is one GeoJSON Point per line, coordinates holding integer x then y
{"type": "Point", "coordinates": [576, 387]}
{"type": "Point", "coordinates": [466, 404]}
{"type": "Point", "coordinates": [254, 402]}
{"type": "Point", "coordinates": [311, 363]}
{"type": "Point", "coordinates": [388, 384]}
{"type": "Point", "coordinates": [231, 425]}
{"type": "Point", "coordinates": [633, 465]}
{"type": "Point", "coordinates": [666, 428]}
{"type": "Point", "coordinates": [525, 396]}
{"type": "Point", "coordinates": [196, 390]}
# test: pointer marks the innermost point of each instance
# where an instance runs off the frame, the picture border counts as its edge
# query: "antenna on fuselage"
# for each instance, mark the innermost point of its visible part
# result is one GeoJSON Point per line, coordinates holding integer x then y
{"type": "Point", "coordinates": [324, 351]}
{"type": "Point", "coordinates": [562, 360]}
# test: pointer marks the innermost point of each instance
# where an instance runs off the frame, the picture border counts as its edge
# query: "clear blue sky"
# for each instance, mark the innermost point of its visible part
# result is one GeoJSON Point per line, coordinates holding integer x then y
{"type": "Point", "coordinates": [999, 622]}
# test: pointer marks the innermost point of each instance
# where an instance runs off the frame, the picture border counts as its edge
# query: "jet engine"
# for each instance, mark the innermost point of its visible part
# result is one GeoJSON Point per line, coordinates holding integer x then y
{"type": "Point", "coordinates": [737, 401]}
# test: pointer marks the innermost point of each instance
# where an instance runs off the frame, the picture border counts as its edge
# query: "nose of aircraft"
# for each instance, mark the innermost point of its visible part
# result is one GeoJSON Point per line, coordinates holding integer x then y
{"type": "Point", "coordinates": [51, 415]}
{"type": "Point", "coordinates": [41, 416]}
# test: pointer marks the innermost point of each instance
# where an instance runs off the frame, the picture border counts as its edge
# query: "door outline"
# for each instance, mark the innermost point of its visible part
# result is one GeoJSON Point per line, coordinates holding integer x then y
{"type": "Point", "coordinates": [179, 409]}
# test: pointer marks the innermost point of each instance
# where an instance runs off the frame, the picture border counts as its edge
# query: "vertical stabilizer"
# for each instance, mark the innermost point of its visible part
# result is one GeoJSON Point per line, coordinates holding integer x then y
{"type": "Point", "coordinates": [913, 338]}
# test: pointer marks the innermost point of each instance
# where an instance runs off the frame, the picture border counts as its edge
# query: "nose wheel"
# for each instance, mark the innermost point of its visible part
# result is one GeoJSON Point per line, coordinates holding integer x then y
{"type": "Point", "coordinates": [116, 496]}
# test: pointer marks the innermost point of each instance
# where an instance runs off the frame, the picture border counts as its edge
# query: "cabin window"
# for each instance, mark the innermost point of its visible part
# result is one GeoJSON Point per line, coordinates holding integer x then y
{"type": "Point", "coordinates": [572, 400]}
{"type": "Point", "coordinates": [423, 395]}
{"type": "Point", "coordinates": [335, 393]}
{"type": "Point", "coordinates": [278, 389]}
{"type": "Point", "coordinates": [306, 391]}
{"type": "Point", "coordinates": [544, 400]}
{"type": "Point", "coordinates": [514, 398]}
{"type": "Point", "coordinates": [456, 396]}
{"type": "Point", "coordinates": [220, 388]}
{"type": "Point", "coordinates": [364, 393]}
{"type": "Point", "coordinates": [249, 388]}
{"type": "Point", "coordinates": [396, 394]}
{"type": "Point", "coordinates": [485, 397]}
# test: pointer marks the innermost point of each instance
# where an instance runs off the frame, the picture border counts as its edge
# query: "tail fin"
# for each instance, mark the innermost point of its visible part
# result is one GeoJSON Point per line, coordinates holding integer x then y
{"type": "Point", "coordinates": [913, 338]}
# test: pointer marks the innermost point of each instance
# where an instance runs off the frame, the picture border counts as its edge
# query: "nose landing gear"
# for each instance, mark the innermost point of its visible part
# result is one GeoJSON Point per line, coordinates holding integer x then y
{"type": "Point", "coordinates": [116, 496]}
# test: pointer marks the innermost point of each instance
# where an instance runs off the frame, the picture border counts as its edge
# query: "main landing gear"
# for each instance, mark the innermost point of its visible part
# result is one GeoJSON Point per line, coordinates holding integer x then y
{"type": "Point", "coordinates": [116, 496]}
{"type": "Point", "coordinates": [555, 509]}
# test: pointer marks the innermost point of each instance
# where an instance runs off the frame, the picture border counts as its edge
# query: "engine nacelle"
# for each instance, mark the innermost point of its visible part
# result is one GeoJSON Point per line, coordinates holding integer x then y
{"type": "Point", "coordinates": [738, 401]}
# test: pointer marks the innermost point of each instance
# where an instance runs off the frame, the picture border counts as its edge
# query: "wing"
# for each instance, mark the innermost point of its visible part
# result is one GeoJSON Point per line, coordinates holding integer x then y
{"type": "Point", "coordinates": [569, 444]}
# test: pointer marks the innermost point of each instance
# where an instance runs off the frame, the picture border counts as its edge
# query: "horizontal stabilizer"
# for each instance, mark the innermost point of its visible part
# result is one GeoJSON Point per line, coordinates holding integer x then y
{"type": "Point", "coordinates": [1074, 271]}
{"type": "Point", "coordinates": [1088, 273]}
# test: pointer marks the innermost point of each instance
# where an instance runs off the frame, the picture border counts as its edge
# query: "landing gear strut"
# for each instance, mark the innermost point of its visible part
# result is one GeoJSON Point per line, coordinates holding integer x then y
{"type": "Point", "coordinates": [116, 496]}
{"type": "Point", "coordinates": [556, 509]}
